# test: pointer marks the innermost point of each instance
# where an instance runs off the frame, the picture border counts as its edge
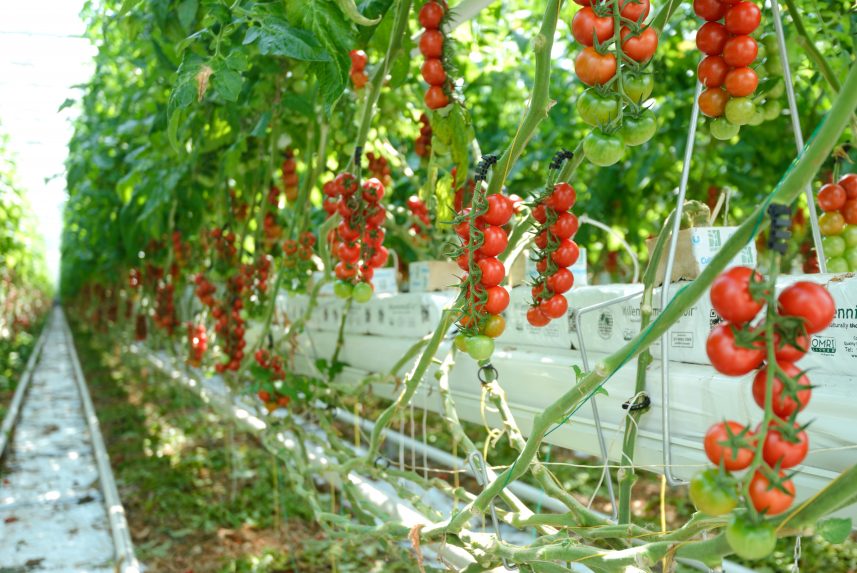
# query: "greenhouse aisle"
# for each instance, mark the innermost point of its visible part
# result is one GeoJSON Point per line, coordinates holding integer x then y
{"type": "Point", "coordinates": [55, 480]}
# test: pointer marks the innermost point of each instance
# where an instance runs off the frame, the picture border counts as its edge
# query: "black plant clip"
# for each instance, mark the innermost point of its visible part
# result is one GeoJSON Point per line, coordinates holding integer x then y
{"type": "Point", "coordinates": [487, 374]}
{"type": "Point", "coordinates": [780, 223]}
{"type": "Point", "coordinates": [558, 159]}
{"type": "Point", "coordinates": [639, 402]}
{"type": "Point", "coordinates": [488, 160]}
{"type": "Point", "coordinates": [358, 155]}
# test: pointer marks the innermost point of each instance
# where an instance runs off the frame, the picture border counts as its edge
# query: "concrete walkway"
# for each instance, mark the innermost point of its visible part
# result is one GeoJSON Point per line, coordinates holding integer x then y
{"type": "Point", "coordinates": [54, 497]}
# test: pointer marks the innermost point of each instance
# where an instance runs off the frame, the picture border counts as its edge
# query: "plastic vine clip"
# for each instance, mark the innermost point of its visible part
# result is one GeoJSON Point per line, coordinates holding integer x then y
{"type": "Point", "coordinates": [780, 223]}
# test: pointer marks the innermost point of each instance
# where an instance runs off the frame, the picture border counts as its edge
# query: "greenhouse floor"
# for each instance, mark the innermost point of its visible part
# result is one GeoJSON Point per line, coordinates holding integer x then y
{"type": "Point", "coordinates": [55, 510]}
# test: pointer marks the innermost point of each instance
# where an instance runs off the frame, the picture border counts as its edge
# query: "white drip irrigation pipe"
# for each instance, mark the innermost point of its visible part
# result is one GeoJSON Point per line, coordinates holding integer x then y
{"type": "Point", "coordinates": [126, 561]}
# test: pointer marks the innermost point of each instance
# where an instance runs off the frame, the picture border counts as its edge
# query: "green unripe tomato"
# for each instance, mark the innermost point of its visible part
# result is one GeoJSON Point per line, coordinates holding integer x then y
{"type": "Point", "coordinates": [750, 540]}
{"type": "Point", "coordinates": [638, 87]}
{"type": "Point", "coordinates": [772, 109]}
{"type": "Point", "coordinates": [837, 265]}
{"type": "Point", "coordinates": [851, 259]}
{"type": "Point", "coordinates": [603, 149]}
{"type": "Point", "coordinates": [713, 494]}
{"type": "Point", "coordinates": [597, 109]}
{"type": "Point", "coordinates": [740, 110]}
{"type": "Point", "coordinates": [777, 90]}
{"type": "Point", "coordinates": [343, 289]}
{"type": "Point", "coordinates": [723, 129]}
{"type": "Point", "coordinates": [480, 347]}
{"type": "Point", "coordinates": [639, 130]}
{"type": "Point", "coordinates": [849, 233]}
{"type": "Point", "coordinates": [834, 246]}
{"type": "Point", "coordinates": [362, 292]}
{"type": "Point", "coordinates": [460, 342]}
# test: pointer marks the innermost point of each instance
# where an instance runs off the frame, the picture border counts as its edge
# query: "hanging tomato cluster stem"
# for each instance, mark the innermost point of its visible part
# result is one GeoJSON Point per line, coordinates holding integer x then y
{"type": "Point", "coordinates": [432, 15]}
{"type": "Point", "coordinates": [290, 178]}
{"type": "Point", "coordinates": [422, 145]}
{"type": "Point", "coordinates": [480, 230]}
{"type": "Point", "coordinates": [420, 215]}
{"type": "Point", "coordinates": [358, 69]}
{"type": "Point", "coordinates": [197, 343]}
{"type": "Point", "coordinates": [230, 324]}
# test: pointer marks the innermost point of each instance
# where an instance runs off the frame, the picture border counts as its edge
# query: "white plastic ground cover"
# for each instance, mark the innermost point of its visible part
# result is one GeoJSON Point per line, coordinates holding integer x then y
{"type": "Point", "coordinates": [53, 511]}
{"type": "Point", "coordinates": [533, 378]}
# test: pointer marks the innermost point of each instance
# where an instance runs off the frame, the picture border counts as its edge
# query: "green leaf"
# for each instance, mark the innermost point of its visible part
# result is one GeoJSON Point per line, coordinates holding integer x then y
{"type": "Point", "coordinates": [277, 38]}
{"type": "Point", "coordinates": [67, 103]}
{"type": "Point", "coordinates": [350, 10]}
{"type": "Point", "coordinates": [261, 125]}
{"type": "Point", "coordinates": [237, 60]}
{"type": "Point", "coordinates": [227, 83]}
{"type": "Point", "coordinates": [187, 12]}
{"type": "Point", "coordinates": [834, 530]}
{"type": "Point", "coordinates": [127, 6]}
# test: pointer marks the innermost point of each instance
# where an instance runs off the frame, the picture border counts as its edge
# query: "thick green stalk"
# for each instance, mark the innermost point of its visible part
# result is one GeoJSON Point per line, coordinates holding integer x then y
{"type": "Point", "coordinates": [540, 102]}
{"type": "Point", "coordinates": [799, 174]}
{"type": "Point", "coordinates": [627, 476]}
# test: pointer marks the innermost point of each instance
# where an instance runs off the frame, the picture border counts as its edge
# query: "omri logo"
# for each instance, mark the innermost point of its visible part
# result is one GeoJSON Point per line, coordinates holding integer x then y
{"type": "Point", "coordinates": [824, 344]}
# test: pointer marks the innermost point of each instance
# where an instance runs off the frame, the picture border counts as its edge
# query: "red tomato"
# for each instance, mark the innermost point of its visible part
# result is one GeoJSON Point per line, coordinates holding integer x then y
{"type": "Point", "coordinates": [717, 449]}
{"type": "Point", "coordinates": [433, 72]}
{"type": "Point", "coordinates": [831, 197]}
{"type": "Point", "coordinates": [593, 68]}
{"type": "Point", "coordinates": [348, 253]}
{"type": "Point", "coordinates": [500, 210]}
{"type": "Point", "coordinates": [783, 405]}
{"type": "Point", "coordinates": [373, 190]}
{"type": "Point", "coordinates": [497, 300]}
{"type": "Point", "coordinates": [435, 98]}
{"type": "Point", "coordinates": [541, 240]}
{"type": "Point", "coordinates": [565, 226]}
{"type": "Point", "coordinates": [711, 38]}
{"type": "Point", "coordinates": [376, 215]}
{"type": "Point", "coordinates": [358, 60]}
{"type": "Point", "coordinates": [431, 44]}
{"type": "Point", "coordinates": [642, 47]}
{"type": "Point", "coordinates": [778, 449]}
{"type": "Point", "coordinates": [810, 301]}
{"type": "Point", "coordinates": [539, 214]}
{"type": "Point", "coordinates": [346, 232]}
{"type": "Point", "coordinates": [726, 356]}
{"type": "Point", "coordinates": [743, 18]}
{"type": "Point", "coordinates": [712, 102]}
{"type": "Point", "coordinates": [741, 82]}
{"type": "Point", "coordinates": [767, 498]}
{"type": "Point", "coordinates": [587, 25]}
{"type": "Point", "coordinates": [849, 183]}
{"type": "Point", "coordinates": [554, 307]}
{"type": "Point", "coordinates": [566, 253]}
{"type": "Point", "coordinates": [710, 10]}
{"type": "Point", "coordinates": [495, 241]}
{"type": "Point", "coordinates": [492, 271]}
{"type": "Point", "coordinates": [359, 79]}
{"type": "Point", "coordinates": [431, 15]}
{"type": "Point", "coordinates": [561, 281]}
{"type": "Point", "coordinates": [731, 298]}
{"type": "Point", "coordinates": [635, 10]}
{"type": "Point", "coordinates": [712, 71]}
{"type": "Point", "coordinates": [791, 352]}
{"type": "Point", "coordinates": [740, 51]}
{"type": "Point", "coordinates": [345, 271]}
{"type": "Point", "coordinates": [379, 259]}
{"type": "Point", "coordinates": [562, 198]}
{"type": "Point", "coordinates": [536, 317]}
{"type": "Point", "coordinates": [849, 212]}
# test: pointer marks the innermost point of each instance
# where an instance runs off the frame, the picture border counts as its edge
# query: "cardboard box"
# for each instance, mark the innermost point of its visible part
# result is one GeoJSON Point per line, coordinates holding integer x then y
{"type": "Point", "coordinates": [406, 314]}
{"type": "Point", "coordinates": [429, 276]}
{"type": "Point", "coordinates": [695, 249]}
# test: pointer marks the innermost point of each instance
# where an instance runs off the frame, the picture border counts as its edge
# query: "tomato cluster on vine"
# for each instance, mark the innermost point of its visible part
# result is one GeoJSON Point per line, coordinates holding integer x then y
{"type": "Point", "coordinates": [165, 308]}
{"type": "Point", "coordinates": [736, 347]}
{"type": "Point", "coordinates": [838, 223]}
{"type": "Point", "coordinates": [271, 393]}
{"type": "Point", "coordinates": [224, 243]}
{"type": "Point", "coordinates": [289, 169]}
{"type": "Point", "coordinates": [422, 145]}
{"type": "Point", "coordinates": [230, 324]}
{"type": "Point", "coordinates": [555, 252]}
{"type": "Point", "coordinates": [379, 168]}
{"type": "Point", "coordinates": [613, 102]}
{"type": "Point", "coordinates": [358, 69]}
{"type": "Point", "coordinates": [420, 215]}
{"type": "Point", "coordinates": [358, 241]}
{"type": "Point", "coordinates": [197, 343]}
{"type": "Point", "coordinates": [432, 41]}
{"type": "Point", "coordinates": [205, 290]}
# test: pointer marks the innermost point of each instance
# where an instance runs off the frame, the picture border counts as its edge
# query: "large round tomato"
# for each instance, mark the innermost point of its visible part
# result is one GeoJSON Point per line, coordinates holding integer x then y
{"type": "Point", "coordinates": [768, 498]}
{"type": "Point", "coordinates": [712, 102]}
{"type": "Point", "coordinates": [712, 493]}
{"type": "Point", "coordinates": [635, 10]}
{"type": "Point", "coordinates": [749, 539]}
{"type": "Point", "coordinates": [849, 183]}
{"type": "Point", "coordinates": [638, 87]}
{"type": "Point", "coordinates": [597, 109]}
{"type": "Point", "coordinates": [731, 297]}
{"type": "Point", "coordinates": [561, 281]}
{"type": "Point", "coordinates": [593, 68]}
{"type": "Point", "coordinates": [492, 271]}
{"type": "Point", "coordinates": [500, 210]}
{"type": "Point", "coordinates": [603, 149]}
{"type": "Point", "coordinates": [729, 358]}
{"type": "Point", "coordinates": [565, 226]}
{"type": "Point", "coordinates": [783, 404]}
{"type": "Point", "coordinates": [711, 38]}
{"type": "Point", "coordinates": [832, 197]}
{"type": "Point", "coordinates": [788, 352]}
{"type": "Point", "coordinates": [777, 449]}
{"type": "Point", "coordinates": [642, 47]}
{"type": "Point", "coordinates": [587, 25]}
{"type": "Point", "coordinates": [712, 71]}
{"type": "Point", "coordinates": [810, 301]}
{"type": "Point", "coordinates": [740, 51]}
{"type": "Point", "coordinates": [554, 307]}
{"type": "Point", "coordinates": [743, 18]}
{"type": "Point", "coordinates": [741, 82]}
{"type": "Point", "coordinates": [831, 223]}
{"type": "Point", "coordinates": [717, 448]}
{"type": "Point", "coordinates": [562, 197]}
{"type": "Point", "coordinates": [566, 253]}
{"type": "Point", "coordinates": [640, 129]}
{"type": "Point", "coordinates": [497, 299]}
{"type": "Point", "coordinates": [710, 10]}
{"type": "Point", "coordinates": [495, 241]}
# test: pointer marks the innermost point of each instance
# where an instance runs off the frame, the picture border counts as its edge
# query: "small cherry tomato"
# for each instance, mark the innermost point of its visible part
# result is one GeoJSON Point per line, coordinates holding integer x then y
{"type": "Point", "coordinates": [536, 317]}
{"type": "Point", "coordinates": [768, 498]}
{"type": "Point", "coordinates": [809, 301]}
{"type": "Point", "coordinates": [717, 448]}
{"type": "Point", "coordinates": [725, 354]}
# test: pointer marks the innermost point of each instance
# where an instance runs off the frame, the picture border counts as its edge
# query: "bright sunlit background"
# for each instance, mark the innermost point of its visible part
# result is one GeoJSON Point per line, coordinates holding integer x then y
{"type": "Point", "coordinates": [42, 55]}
